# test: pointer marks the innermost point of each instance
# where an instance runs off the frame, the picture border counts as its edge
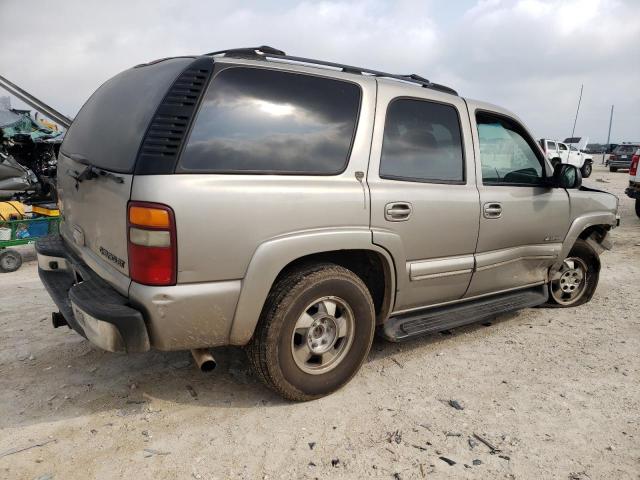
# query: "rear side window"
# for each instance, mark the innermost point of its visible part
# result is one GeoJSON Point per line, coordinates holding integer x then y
{"type": "Point", "coordinates": [265, 121]}
{"type": "Point", "coordinates": [562, 146]}
{"type": "Point", "coordinates": [551, 145]}
{"type": "Point", "coordinates": [422, 142]}
{"type": "Point", "coordinates": [109, 128]}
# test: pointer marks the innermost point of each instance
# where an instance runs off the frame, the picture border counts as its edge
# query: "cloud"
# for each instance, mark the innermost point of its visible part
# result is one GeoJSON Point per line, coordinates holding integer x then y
{"type": "Point", "coordinates": [529, 55]}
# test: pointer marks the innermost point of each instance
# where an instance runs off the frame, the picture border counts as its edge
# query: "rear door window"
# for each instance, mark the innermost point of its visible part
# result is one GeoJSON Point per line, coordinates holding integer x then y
{"type": "Point", "coordinates": [267, 121]}
{"type": "Point", "coordinates": [422, 142]}
{"type": "Point", "coordinates": [551, 145]}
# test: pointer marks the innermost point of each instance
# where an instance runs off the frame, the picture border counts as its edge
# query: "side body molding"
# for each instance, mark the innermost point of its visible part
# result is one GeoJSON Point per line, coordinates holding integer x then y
{"type": "Point", "coordinates": [272, 256]}
{"type": "Point", "coordinates": [578, 226]}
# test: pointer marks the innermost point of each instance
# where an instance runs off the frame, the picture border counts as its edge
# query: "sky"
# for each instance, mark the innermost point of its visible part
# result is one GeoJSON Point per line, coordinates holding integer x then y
{"type": "Point", "coordinates": [529, 56]}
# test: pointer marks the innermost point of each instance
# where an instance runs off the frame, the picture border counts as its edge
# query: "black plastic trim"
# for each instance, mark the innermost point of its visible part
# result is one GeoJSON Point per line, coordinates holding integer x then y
{"type": "Point", "coordinates": [265, 52]}
{"type": "Point", "coordinates": [92, 295]}
{"type": "Point", "coordinates": [169, 128]}
{"type": "Point", "coordinates": [432, 320]}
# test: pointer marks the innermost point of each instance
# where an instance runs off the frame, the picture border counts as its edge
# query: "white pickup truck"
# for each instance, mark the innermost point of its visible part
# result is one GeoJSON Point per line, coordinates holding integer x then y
{"type": "Point", "coordinates": [633, 190]}
{"type": "Point", "coordinates": [569, 152]}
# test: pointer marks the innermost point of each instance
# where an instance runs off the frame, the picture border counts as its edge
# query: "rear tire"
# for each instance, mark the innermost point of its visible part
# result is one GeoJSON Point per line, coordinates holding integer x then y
{"type": "Point", "coordinates": [297, 349]}
{"type": "Point", "coordinates": [613, 169]}
{"type": "Point", "coordinates": [586, 170]}
{"type": "Point", "coordinates": [638, 207]}
{"type": "Point", "coordinates": [10, 261]}
{"type": "Point", "coordinates": [575, 283]}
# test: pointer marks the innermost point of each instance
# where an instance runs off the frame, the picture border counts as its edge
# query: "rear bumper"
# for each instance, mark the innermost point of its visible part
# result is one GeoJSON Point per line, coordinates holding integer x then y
{"type": "Point", "coordinates": [90, 306]}
{"type": "Point", "coordinates": [620, 163]}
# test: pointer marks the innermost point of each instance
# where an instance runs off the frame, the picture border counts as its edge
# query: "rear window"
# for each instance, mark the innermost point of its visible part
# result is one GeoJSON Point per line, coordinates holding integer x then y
{"type": "Point", "coordinates": [625, 149]}
{"type": "Point", "coordinates": [264, 121]}
{"type": "Point", "coordinates": [109, 128]}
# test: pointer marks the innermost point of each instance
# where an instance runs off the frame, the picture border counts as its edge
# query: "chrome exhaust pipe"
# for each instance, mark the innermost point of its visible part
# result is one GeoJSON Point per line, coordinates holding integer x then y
{"type": "Point", "coordinates": [204, 360]}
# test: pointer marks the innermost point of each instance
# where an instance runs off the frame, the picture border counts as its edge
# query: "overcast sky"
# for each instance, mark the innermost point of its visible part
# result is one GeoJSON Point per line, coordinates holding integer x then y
{"type": "Point", "coordinates": [529, 56]}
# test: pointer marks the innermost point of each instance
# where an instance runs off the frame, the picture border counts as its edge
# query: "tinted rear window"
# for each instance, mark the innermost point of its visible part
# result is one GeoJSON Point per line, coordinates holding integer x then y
{"type": "Point", "coordinates": [422, 142]}
{"type": "Point", "coordinates": [266, 121]}
{"type": "Point", "coordinates": [625, 149]}
{"type": "Point", "coordinates": [108, 130]}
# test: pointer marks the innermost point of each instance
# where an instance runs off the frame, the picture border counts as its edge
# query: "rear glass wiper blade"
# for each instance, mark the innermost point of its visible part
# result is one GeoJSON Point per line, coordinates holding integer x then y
{"type": "Point", "coordinates": [90, 172]}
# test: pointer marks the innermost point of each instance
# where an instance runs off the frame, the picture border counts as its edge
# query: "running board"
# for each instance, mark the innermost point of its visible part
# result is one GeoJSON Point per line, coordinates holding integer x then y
{"type": "Point", "coordinates": [413, 324]}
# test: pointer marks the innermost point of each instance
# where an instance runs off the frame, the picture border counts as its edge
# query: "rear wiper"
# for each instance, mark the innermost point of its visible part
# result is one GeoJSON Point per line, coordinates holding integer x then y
{"type": "Point", "coordinates": [90, 172]}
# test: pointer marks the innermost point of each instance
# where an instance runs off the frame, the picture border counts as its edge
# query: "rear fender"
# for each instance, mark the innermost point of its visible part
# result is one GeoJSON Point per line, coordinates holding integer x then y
{"type": "Point", "coordinates": [272, 256]}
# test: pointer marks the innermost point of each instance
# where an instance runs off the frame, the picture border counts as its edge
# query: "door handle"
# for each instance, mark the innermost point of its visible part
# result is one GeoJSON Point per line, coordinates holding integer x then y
{"type": "Point", "coordinates": [397, 211]}
{"type": "Point", "coordinates": [492, 210]}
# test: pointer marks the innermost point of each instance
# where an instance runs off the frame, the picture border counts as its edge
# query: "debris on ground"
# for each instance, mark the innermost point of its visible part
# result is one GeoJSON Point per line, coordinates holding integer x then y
{"type": "Point", "coordinates": [150, 452]}
{"type": "Point", "coordinates": [477, 462]}
{"type": "Point", "coordinates": [473, 443]}
{"type": "Point", "coordinates": [335, 462]}
{"type": "Point", "coordinates": [487, 443]}
{"type": "Point", "coordinates": [311, 445]}
{"type": "Point", "coordinates": [11, 451]}
{"type": "Point", "coordinates": [192, 391]}
{"type": "Point", "coordinates": [397, 362]}
{"type": "Point", "coordinates": [455, 404]}
{"type": "Point", "coordinates": [395, 436]}
{"type": "Point", "coordinates": [447, 460]}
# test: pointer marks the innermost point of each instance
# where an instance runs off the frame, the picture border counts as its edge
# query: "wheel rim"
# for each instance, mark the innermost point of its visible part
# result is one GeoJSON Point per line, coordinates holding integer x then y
{"type": "Point", "coordinates": [322, 335]}
{"type": "Point", "coordinates": [587, 170]}
{"type": "Point", "coordinates": [570, 282]}
{"type": "Point", "coordinates": [9, 262]}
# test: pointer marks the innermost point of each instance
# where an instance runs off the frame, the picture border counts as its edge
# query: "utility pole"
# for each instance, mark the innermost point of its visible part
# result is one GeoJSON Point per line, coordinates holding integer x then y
{"type": "Point", "coordinates": [577, 110]}
{"type": "Point", "coordinates": [608, 135]}
{"type": "Point", "coordinates": [610, 121]}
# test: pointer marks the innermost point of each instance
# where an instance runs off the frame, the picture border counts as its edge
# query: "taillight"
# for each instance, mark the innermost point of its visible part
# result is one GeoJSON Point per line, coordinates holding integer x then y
{"type": "Point", "coordinates": [612, 157]}
{"type": "Point", "coordinates": [633, 170]}
{"type": "Point", "coordinates": [151, 233]}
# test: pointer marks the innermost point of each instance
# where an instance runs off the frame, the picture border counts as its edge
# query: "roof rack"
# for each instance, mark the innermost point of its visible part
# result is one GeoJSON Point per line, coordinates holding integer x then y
{"type": "Point", "coordinates": [264, 52]}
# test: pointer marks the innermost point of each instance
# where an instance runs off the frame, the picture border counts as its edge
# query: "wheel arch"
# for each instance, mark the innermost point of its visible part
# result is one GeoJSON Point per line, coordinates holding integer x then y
{"type": "Point", "coordinates": [352, 249]}
{"type": "Point", "coordinates": [593, 228]}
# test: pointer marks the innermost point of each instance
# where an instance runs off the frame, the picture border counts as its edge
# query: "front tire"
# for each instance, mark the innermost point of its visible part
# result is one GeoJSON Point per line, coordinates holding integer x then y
{"type": "Point", "coordinates": [314, 333]}
{"type": "Point", "coordinates": [586, 170]}
{"type": "Point", "coordinates": [638, 207]}
{"type": "Point", "coordinates": [576, 281]}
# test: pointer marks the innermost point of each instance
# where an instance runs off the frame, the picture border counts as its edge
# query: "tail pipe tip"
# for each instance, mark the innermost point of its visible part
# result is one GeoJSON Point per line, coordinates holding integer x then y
{"type": "Point", "coordinates": [204, 359]}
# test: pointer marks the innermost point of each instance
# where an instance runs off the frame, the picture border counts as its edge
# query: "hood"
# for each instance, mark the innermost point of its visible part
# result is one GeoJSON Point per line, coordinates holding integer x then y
{"type": "Point", "coordinates": [579, 142]}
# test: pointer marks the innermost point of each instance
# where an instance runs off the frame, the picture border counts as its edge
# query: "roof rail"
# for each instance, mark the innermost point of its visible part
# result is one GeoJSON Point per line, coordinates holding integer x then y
{"type": "Point", "coordinates": [265, 52]}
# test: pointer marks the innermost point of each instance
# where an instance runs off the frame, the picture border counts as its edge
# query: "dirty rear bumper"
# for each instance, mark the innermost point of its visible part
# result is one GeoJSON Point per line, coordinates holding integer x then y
{"type": "Point", "coordinates": [90, 306]}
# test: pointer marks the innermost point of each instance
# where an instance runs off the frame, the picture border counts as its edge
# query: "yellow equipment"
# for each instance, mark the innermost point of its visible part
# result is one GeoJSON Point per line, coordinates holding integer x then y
{"type": "Point", "coordinates": [11, 211]}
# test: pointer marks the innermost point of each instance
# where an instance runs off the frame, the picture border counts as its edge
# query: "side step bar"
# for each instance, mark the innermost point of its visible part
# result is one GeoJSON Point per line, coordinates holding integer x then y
{"type": "Point", "coordinates": [413, 324]}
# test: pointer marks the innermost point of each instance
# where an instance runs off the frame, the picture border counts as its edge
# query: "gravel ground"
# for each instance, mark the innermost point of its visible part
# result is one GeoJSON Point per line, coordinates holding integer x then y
{"type": "Point", "coordinates": [554, 391]}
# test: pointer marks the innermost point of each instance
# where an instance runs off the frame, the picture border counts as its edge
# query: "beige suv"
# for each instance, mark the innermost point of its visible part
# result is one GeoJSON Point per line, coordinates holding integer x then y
{"type": "Point", "coordinates": [294, 206]}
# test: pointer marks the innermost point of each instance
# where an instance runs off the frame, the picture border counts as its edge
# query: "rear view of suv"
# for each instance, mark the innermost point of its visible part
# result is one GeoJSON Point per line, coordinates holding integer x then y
{"type": "Point", "coordinates": [294, 206]}
{"type": "Point", "coordinates": [621, 156]}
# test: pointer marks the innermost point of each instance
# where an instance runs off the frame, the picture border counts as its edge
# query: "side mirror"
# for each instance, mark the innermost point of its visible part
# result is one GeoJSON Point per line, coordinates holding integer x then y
{"type": "Point", "coordinates": [566, 176]}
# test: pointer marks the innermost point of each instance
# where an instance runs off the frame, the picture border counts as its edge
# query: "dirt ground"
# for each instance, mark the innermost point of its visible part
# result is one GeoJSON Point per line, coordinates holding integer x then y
{"type": "Point", "coordinates": [555, 391]}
